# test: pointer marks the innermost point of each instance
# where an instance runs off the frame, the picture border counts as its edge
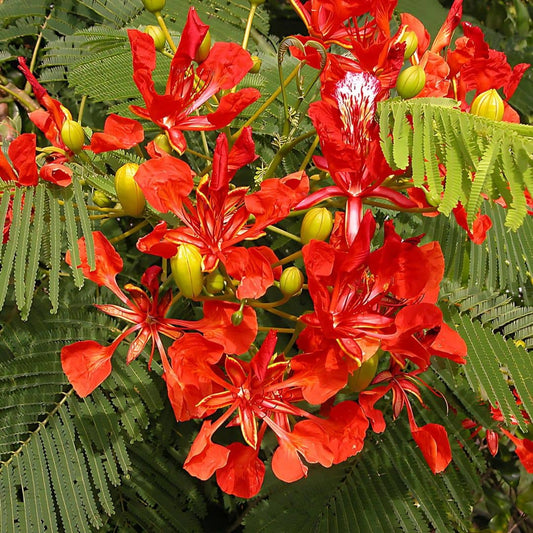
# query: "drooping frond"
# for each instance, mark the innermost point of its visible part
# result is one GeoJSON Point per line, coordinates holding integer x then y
{"type": "Point", "coordinates": [480, 156]}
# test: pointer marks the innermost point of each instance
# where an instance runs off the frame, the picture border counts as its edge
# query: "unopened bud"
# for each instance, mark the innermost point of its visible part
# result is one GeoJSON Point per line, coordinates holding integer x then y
{"type": "Point", "coordinates": [291, 281]}
{"type": "Point", "coordinates": [317, 224]}
{"type": "Point", "coordinates": [157, 34]}
{"type": "Point", "coordinates": [187, 270]}
{"type": "Point", "coordinates": [256, 67]}
{"type": "Point", "coordinates": [129, 193]}
{"type": "Point", "coordinates": [214, 282]}
{"type": "Point", "coordinates": [204, 48]}
{"type": "Point", "coordinates": [236, 318]}
{"type": "Point", "coordinates": [154, 5]}
{"type": "Point", "coordinates": [411, 43]}
{"type": "Point", "coordinates": [488, 104]}
{"type": "Point", "coordinates": [411, 81]}
{"type": "Point", "coordinates": [256, 2]}
{"type": "Point", "coordinates": [361, 378]}
{"type": "Point", "coordinates": [72, 135]}
{"type": "Point", "coordinates": [102, 200]}
{"type": "Point", "coordinates": [163, 143]}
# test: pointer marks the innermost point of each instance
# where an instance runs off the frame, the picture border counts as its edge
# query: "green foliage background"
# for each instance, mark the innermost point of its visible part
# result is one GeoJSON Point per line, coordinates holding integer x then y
{"type": "Point", "coordinates": [112, 461]}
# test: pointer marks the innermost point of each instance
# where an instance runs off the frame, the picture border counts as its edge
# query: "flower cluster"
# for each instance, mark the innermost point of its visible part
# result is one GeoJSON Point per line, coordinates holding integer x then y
{"type": "Point", "coordinates": [369, 325]}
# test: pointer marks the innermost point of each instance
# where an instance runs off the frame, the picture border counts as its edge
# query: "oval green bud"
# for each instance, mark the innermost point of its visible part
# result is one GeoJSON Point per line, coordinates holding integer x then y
{"type": "Point", "coordinates": [157, 34]}
{"type": "Point", "coordinates": [154, 5]}
{"type": "Point", "coordinates": [102, 200]}
{"type": "Point", "coordinates": [129, 193]}
{"type": "Point", "coordinates": [317, 224]}
{"type": "Point", "coordinates": [411, 43]}
{"type": "Point", "coordinates": [256, 2]}
{"type": "Point", "coordinates": [488, 104]}
{"type": "Point", "coordinates": [73, 135]}
{"type": "Point", "coordinates": [291, 281]}
{"type": "Point", "coordinates": [361, 378]}
{"type": "Point", "coordinates": [187, 270]}
{"type": "Point", "coordinates": [236, 318]}
{"type": "Point", "coordinates": [214, 282]}
{"type": "Point", "coordinates": [204, 48]}
{"type": "Point", "coordinates": [411, 81]}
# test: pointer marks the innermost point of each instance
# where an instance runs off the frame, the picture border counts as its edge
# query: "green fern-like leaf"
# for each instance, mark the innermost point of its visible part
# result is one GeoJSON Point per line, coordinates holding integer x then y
{"type": "Point", "coordinates": [61, 454]}
{"type": "Point", "coordinates": [496, 154]}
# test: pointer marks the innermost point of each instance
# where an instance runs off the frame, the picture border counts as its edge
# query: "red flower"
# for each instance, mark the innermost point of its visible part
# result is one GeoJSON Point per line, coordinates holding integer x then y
{"type": "Point", "coordinates": [220, 218]}
{"type": "Point", "coordinates": [364, 300]}
{"type": "Point", "coordinates": [432, 439]}
{"type": "Point", "coordinates": [335, 22]}
{"type": "Point", "coordinates": [258, 395]}
{"type": "Point", "coordinates": [349, 138]}
{"type": "Point", "coordinates": [188, 88]}
{"type": "Point", "coordinates": [87, 363]}
{"type": "Point", "coordinates": [50, 120]}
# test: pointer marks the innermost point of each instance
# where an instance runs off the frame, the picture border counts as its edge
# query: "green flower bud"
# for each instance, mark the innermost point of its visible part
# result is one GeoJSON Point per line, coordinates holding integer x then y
{"type": "Point", "coordinates": [163, 143]}
{"type": "Point", "coordinates": [187, 270]}
{"type": "Point", "coordinates": [154, 5]}
{"type": "Point", "coordinates": [256, 2]}
{"type": "Point", "coordinates": [488, 104]}
{"type": "Point", "coordinates": [291, 281]}
{"type": "Point", "coordinates": [411, 81]}
{"type": "Point", "coordinates": [129, 193]}
{"type": "Point", "coordinates": [236, 318]}
{"type": "Point", "coordinates": [102, 200]}
{"type": "Point", "coordinates": [317, 224]}
{"type": "Point", "coordinates": [361, 378]}
{"type": "Point", "coordinates": [72, 135]}
{"type": "Point", "coordinates": [157, 34]}
{"type": "Point", "coordinates": [256, 67]}
{"type": "Point", "coordinates": [411, 43]}
{"type": "Point", "coordinates": [214, 282]}
{"type": "Point", "coordinates": [204, 48]}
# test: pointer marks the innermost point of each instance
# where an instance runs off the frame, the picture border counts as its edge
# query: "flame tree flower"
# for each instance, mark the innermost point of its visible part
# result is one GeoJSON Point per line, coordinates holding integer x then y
{"type": "Point", "coordinates": [189, 88]}
{"type": "Point", "coordinates": [87, 363]}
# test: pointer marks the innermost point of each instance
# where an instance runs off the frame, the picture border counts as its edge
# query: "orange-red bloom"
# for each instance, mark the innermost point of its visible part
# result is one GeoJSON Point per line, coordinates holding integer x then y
{"type": "Point", "coordinates": [87, 363]}
{"type": "Point", "coordinates": [220, 219]}
{"type": "Point", "coordinates": [260, 395]}
{"type": "Point", "coordinates": [189, 88]}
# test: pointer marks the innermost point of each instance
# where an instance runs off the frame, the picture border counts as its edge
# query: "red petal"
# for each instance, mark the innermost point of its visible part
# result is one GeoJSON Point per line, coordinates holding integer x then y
{"type": "Point", "coordinates": [252, 266]}
{"type": "Point", "coordinates": [432, 440]}
{"type": "Point", "coordinates": [108, 262]}
{"type": "Point", "coordinates": [205, 457]}
{"type": "Point", "coordinates": [244, 472]}
{"type": "Point", "coordinates": [56, 173]}
{"type": "Point", "coordinates": [165, 182]}
{"type": "Point", "coordinates": [217, 326]}
{"type": "Point", "coordinates": [231, 105]}
{"type": "Point", "coordinates": [226, 66]}
{"type": "Point", "coordinates": [119, 133]}
{"type": "Point", "coordinates": [22, 154]}
{"type": "Point", "coordinates": [87, 364]}
{"type": "Point", "coordinates": [524, 450]}
{"type": "Point", "coordinates": [286, 463]}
